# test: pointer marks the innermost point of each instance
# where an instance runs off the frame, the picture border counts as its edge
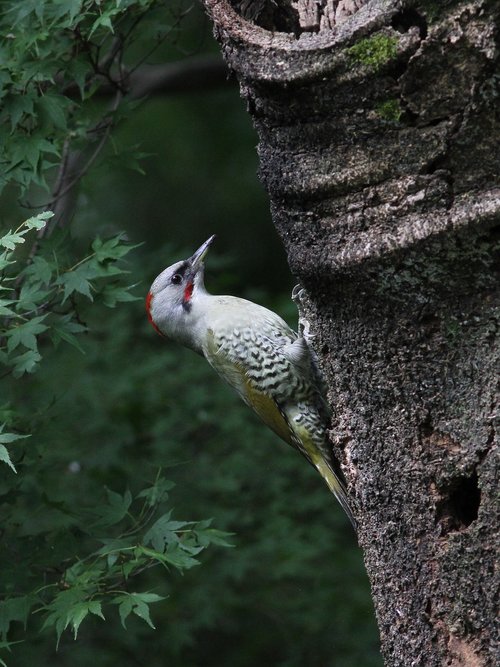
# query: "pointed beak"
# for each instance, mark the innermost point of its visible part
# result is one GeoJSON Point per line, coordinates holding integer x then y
{"type": "Point", "coordinates": [196, 259]}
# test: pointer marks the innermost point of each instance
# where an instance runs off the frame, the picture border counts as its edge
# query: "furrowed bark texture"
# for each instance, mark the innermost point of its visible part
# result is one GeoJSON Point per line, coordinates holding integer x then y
{"type": "Point", "coordinates": [378, 139]}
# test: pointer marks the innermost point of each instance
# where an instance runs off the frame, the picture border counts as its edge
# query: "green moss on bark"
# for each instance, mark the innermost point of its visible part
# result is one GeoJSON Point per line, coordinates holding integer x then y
{"type": "Point", "coordinates": [375, 51]}
{"type": "Point", "coordinates": [389, 110]}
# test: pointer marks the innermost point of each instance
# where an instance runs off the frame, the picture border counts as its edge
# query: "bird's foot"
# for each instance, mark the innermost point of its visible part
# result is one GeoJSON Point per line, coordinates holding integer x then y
{"type": "Point", "coordinates": [298, 297]}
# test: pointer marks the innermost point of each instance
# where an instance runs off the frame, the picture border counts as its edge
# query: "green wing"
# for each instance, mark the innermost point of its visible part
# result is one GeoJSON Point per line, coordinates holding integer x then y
{"type": "Point", "coordinates": [309, 438]}
{"type": "Point", "coordinates": [235, 375]}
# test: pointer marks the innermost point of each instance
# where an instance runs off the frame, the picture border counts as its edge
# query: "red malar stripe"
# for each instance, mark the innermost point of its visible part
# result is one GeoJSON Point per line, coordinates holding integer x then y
{"type": "Point", "coordinates": [188, 292]}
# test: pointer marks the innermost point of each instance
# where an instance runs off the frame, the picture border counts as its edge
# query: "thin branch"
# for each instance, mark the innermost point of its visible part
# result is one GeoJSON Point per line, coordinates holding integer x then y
{"type": "Point", "coordinates": [83, 170]}
{"type": "Point", "coordinates": [190, 75]}
{"type": "Point", "coordinates": [175, 25]}
{"type": "Point", "coordinates": [199, 73]}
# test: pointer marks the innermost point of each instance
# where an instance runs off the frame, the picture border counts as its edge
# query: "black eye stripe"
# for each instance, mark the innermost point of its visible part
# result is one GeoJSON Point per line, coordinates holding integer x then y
{"type": "Point", "coordinates": [182, 269]}
{"type": "Point", "coordinates": [179, 274]}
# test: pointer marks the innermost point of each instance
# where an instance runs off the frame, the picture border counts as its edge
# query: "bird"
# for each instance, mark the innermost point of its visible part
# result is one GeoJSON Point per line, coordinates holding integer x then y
{"type": "Point", "coordinates": [272, 368]}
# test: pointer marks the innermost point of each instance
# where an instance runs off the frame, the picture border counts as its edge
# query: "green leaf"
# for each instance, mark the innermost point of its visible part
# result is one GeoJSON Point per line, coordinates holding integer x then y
{"type": "Point", "coordinates": [103, 269]}
{"type": "Point", "coordinates": [32, 296]}
{"type": "Point", "coordinates": [26, 333]}
{"type": "Point", "coordinates": [125, 608]}
{"type": "Point", "coordinates": [96, 609]}
{"type": "Point", "coordinates": [4, 260]}
{"type": "Point", "coordinates": [112, 294]}
{"type": "Point", "coordinates": [7, 438]}
{"type": "Point", "coordinates": [18, 105]}
{"type": "Point", "coordinates": [39, 270]}
{"type": "Point", "coordinates": [113, 547]}
{"type": "Point", "coordinates": [3, 307]}
{"type": "Point", "coordinates": [129, 567]}
{"type": "Point", "coordinates": [64, 329]}
{"type": "Point", "coordinates": [14, 609]}
{"type": "Point", "coordinates": [76, 616]}
{"type": "Point", "coordinates": [70, 7]}
{"type": "Point", "coordinates": [80, 611]}
{"type": "Point", "coordinates": [112, 249]}
{"type": "Point", "coordinates": [7, 645]}
{"type": "Point", "coordinates": [26, 151]}
{"type": "Point", "coordinates": [53, 106]}
{"type": "Point", "coordinates": [158, 492]}
{"type": "Point", "coordinates": [208, 536]}
{"type": "Point", "coordinates": [11, 239]}
{"type": "Point", "coordinates": [115, 510]}
{"type": "Point", "coordinates": [162, 532]}
{"type": "Point", "coordinates": [141, 603]}
{"type": "Point", "coordinates": [102, 21]}
{"type": "Point", "coordinates": [175, 555]}
{"type": "Point", "coordinates": [76, 281]}
{"type": "Point", "coordinates": [79, 70]}
{"type": "Point", "coordinates": [148, 597]}
{"type": "Point", "coordinates": [39, 221]}
{"type": "Point", "coordinates": [62, 609]}
{"type": "Point", "coordinates": [25, 363]}
{"type": "Point", "coordinates": [4, 456]}
{"type": "Point", "coordinates": [73, 574]}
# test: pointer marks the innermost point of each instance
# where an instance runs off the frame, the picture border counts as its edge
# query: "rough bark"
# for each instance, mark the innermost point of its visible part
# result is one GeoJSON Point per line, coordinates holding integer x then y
{"type": "Point", "coordinates": [378, 133]}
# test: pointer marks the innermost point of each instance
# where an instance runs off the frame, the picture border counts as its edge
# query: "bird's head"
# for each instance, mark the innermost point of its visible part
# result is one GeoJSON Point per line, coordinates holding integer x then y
{"type": "Point", "coordinates": [170, 300]}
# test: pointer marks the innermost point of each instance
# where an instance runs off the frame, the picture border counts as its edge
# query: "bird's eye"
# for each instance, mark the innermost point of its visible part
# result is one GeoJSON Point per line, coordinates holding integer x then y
{"type": "Point", "coordinates": [176, 279]}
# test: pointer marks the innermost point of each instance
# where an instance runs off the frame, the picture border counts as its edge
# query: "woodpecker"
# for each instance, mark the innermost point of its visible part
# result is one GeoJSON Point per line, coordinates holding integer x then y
{"type": "Point", "coordinates": [271, 367]}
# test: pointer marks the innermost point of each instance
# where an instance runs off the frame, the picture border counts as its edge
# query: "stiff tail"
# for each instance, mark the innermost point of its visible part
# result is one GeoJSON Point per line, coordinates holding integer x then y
{"type": "Point", "coordinates": [338, 489]}
{"type": "Point", "coordinates": [302, 438]}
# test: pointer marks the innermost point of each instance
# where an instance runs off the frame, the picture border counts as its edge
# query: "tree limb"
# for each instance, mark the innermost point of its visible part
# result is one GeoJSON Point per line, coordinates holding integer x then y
{"type": "Point", "coordinates": [196, 74]}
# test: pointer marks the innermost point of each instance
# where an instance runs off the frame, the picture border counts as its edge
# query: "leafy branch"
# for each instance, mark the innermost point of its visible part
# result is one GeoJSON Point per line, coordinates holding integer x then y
{"type": "Point", "coordinates": [57, 58]}
{"type": "Point", "coordinates": [103, 577]}
{"type": "Point", "coordinates": [45, 131]}
{"type": "Point", "coordinates": [39, 299]}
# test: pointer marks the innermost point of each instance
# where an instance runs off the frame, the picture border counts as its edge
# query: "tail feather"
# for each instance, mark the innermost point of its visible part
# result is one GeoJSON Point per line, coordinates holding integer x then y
{"type": "Point", "coordinates": [301, 436]}
{"type": "Point", "coordinates": [338, 489]}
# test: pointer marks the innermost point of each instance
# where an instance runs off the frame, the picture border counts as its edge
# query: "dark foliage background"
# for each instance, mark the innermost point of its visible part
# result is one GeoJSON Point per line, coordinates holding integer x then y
{"type": "Point", "coordinates": [293, 590]}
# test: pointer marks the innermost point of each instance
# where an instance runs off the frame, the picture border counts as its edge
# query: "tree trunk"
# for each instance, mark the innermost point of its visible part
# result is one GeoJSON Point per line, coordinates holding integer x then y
{"type": "Point", "coordinates": [378, 139]}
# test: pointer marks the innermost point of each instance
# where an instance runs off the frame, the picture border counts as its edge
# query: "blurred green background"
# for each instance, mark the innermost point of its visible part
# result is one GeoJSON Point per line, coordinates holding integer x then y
{"type": "Point", "coordinates": [293, 590]}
